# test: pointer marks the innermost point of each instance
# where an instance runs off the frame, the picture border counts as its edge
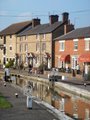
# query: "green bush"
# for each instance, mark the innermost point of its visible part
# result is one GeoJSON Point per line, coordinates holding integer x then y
{"type": "Point", "coordinates": [9, 64]}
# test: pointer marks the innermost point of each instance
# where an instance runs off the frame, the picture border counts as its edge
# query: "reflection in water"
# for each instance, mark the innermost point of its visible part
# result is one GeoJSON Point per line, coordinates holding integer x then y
{"type": "Point", "coordinates": [67, 103]}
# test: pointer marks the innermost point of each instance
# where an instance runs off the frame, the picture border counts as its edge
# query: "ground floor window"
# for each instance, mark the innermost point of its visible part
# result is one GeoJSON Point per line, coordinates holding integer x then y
{"type": "Point", "coordinates": [61, 64]}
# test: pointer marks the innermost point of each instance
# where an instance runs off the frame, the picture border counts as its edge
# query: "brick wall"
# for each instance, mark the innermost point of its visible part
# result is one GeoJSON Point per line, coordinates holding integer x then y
{"type": "Point", "coordinates": [69, 49]}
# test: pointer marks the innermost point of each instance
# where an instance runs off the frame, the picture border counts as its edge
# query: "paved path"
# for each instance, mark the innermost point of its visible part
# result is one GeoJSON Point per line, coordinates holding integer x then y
{"type": "Point", "coordinates": [19, 110]}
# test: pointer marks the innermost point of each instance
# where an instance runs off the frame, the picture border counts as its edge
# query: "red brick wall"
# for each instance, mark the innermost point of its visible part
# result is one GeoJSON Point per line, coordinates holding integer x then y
{"type": "Point", "coordinates": [69, 49]}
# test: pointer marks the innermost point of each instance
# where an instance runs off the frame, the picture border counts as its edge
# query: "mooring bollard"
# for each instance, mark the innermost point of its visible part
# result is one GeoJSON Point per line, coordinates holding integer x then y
{"type": "Point", "coordinates": [5, 84]}
{"type": "Point", "coordinates": [16, 94]}
{"type": "Point", "coordinates": [85, 84]}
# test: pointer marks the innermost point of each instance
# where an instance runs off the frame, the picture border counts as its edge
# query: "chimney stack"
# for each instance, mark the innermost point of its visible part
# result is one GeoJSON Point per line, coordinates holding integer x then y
{"type": "Point", "coordinates": [35, 22]}
{"type": "Point", "coordinates": [65, 17]}
{"type": "Point", "coordinates": [67, 26]}
{"type": "Point", "coordinates": [53, 18]}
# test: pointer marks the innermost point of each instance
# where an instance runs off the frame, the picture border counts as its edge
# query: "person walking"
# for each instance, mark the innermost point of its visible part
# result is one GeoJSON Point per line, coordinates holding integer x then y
{"type": "Point", "coordinates": [7, 74]}
{"type": "Point", "coordinates": [86, 72]}
{"type": "Point", "coordinates": [78, 69]}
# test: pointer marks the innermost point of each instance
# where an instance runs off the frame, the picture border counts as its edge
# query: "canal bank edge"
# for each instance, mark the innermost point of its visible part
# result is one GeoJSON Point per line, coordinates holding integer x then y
{"type": "Point", "coordinates": [57, 85]}
{"type": "Point", "coordinates": [65, 87]}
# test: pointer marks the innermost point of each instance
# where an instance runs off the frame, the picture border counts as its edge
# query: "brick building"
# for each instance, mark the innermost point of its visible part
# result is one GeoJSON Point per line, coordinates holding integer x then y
{"type": "Point", "coordinates": [73, 49]}
{"type": "Point", "coordinates": [8, 40]}
{"type": "Point", "coordinates": [40, 44]}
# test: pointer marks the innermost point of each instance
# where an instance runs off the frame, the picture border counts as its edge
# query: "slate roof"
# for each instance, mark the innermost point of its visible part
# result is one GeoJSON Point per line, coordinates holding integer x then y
{"type": "Point", "coordinates": [77, 33]}
{"type": "Point", "coordinates": [43, 28]}
{"type": "Point", "coordinates": [15, 28]}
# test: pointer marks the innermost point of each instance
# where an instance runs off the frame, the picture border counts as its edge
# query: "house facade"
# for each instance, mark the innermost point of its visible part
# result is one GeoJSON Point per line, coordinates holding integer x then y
{"type": "Point", "coordinates": [1, 50]}
{"type": "Point", "coordinates": [73, 49]}
{"type": "Point", "coordinates": [8, 40]}
{"type": "Point", "coordinates": [40, 45]}
{"type": "Point", "coordinates": [35, 50]}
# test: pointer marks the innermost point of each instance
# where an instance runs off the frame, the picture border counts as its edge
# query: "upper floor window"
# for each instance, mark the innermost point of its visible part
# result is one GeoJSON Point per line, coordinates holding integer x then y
{"type": "Point", "coordinates": [10, 47]}
{"type": "Point", "coordinates": [37, 46]}
{"type": "Point", "coordinates": [26, 47]}
{"type": "Point", "coordinates": [4, 39]}
{"type": "Point", "coordinates": [21, 38]}
{"type": "Point", "coordinates": [25, 37]}
{"type": "Point", "coordinates": [75, 44]}
{"type": "Point", "coordinates": [21, 47]}
{"type": "Point", "coordinates": [43, 36]}
{"type": "Point", "coordinates": [37, 36]}
{"type": "Point", "coordinates": [62, 45]}
{"type": "Point", "coordinates": [87, 44]}
{"type": "Point", "coordinates": [10, 36]}
{"type": "Point", "coordinates": [43, 46]}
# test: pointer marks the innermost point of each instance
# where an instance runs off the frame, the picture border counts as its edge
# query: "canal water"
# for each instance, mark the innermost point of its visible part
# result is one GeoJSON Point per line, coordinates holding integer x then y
{"type": "Point", "coordinates": [72, 105]}
{"type": "Point", "coordinates": [63, 100]}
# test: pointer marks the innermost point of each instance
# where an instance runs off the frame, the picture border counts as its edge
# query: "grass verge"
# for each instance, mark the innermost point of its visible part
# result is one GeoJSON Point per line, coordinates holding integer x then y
{"type": "Point", "coordinates": [4, 103]}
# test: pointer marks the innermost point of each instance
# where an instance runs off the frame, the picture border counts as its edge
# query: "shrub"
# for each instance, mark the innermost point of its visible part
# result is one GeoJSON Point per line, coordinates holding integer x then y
{"type": "Point", "coordinates": [9, 64]}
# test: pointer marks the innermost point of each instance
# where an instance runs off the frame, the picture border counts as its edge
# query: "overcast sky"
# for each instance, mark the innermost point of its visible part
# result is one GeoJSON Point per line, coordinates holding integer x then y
{"type": "Point", "coordinates": [12, 11]}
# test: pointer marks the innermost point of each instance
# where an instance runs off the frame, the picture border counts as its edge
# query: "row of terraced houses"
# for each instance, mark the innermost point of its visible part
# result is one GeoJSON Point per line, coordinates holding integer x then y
{"type": "Point", "coordinates": [56, 44]}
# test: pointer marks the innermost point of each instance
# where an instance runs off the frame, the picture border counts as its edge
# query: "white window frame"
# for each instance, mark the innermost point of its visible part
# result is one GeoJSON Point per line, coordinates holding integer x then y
{"type": "Point", "coordinates": [25, 37]}
{"type": "Point", "coordinates": [21, 48]}
{"type": "Point", "coordinates": [37, 46]}
{"type": "Point", "coordinates": [26, 47]}
{"type": "Point", "coordinates": [44, 36]}
{"type": "Point", "coordinates": [43, 46]}
{"type": "Point", "coordinates": [62, 48]}
{"type": "Point", "coordinates": [74, 61]}
{"type": "Point", "coordinates": [21, 38]}
{"type": "Point", "coordinates": [87, 44]}
{"type": "Point", "coordinates": [75, 40]}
